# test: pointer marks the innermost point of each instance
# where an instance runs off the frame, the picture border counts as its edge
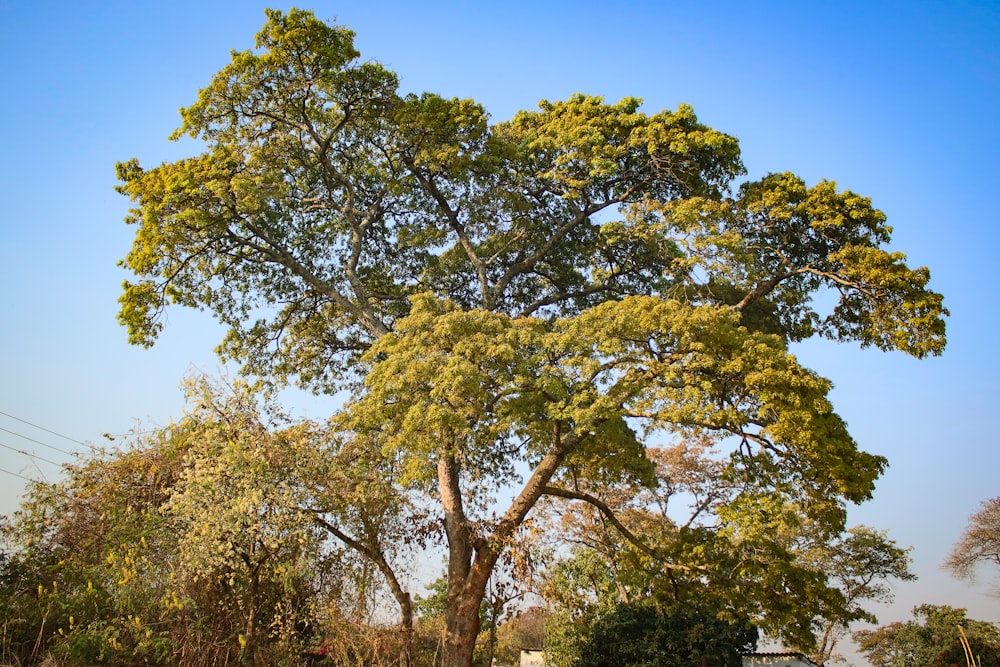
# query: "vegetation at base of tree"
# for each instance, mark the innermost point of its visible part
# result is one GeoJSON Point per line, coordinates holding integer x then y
{"type": "Point", "coordinates": [643, 635]}
{"type": "Point", "coordinates": [932, 634]}
{"type": "Point", "coordinates": [528, 315]}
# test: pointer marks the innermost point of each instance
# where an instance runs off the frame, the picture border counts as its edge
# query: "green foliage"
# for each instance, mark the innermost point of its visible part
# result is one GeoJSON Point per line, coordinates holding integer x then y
{"type": "Point", "coordinates": [478, 379]}
{"type": "Point", "coordinates": [520, 309]}
{"type": "Point", "coordinates": [82, 547]}
{"type": "Point", "coordinates": [860, 566]}
{"type": "Point", "coordinates": [187, 547]}
{"type": "Point", "coordinates": [323, 189]}
{"type": "Point", "coordinates": [919, 642]}
{"type": "Point", "coordinates": [795, 580]}
{"type": "Point", "coordinates": [645, 636]}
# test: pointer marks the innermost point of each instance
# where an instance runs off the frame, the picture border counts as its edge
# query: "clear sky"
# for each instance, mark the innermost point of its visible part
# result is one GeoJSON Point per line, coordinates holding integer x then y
{"type": "Point", "coordinates": [899, 101]}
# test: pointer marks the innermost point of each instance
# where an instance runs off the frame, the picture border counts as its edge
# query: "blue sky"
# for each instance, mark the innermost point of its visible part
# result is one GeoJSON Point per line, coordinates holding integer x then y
{"type": "Point", "coordinates": [898, 101]}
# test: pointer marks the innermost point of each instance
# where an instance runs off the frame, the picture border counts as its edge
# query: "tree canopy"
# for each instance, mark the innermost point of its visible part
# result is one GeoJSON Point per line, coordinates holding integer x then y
{"type": "Point", "coordinates": [519, 308]}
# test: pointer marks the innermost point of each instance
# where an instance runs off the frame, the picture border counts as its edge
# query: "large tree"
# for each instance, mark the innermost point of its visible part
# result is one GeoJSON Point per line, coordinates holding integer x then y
{"type": "Point", "coordinates": [519, 305]}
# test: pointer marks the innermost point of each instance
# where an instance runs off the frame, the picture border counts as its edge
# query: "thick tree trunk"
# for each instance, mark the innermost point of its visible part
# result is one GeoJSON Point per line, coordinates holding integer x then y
{"type": "Point", "coordinates": [464, 598]}
{"type": "Point", "coordinates": [461, 631]}
{"type": "Point", "coordinates": [471, 559]}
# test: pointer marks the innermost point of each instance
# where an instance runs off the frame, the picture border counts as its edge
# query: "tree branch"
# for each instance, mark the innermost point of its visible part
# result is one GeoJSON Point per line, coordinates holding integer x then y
{"type": "Point", "coordinates": [609, 514]}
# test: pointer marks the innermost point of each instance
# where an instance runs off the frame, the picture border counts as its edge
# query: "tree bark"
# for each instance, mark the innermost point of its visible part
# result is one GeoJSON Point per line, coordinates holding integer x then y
{"type": "Point", "coordinates": [471, 559]}
{"type": "Point", "coordinates": [461, 631]}
{"type": "Point", "coordinates": [462, 611]}
{"type": "Point", "coordinates": [406, 633]}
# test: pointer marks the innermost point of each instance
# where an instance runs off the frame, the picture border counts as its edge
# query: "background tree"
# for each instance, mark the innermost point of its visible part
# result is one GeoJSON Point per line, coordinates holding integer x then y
{"type": "Point", "coordinates": [782, 569]}
{"type": "Point", "coordinates": [979, 543]}
{"type": "Point", "coordinates": [860, 567]}
{"type": "Point", "coordinates": [535, 295]}
{"type": "Point", "coordinates": [264, 500]}
{"type": "Point", "coordinates": [920, 641]}
{"type": "Point", "coordinates": [193, 545]}
{"type": "Point", "coordinates": [86, 558]}
{"type": "Point", "coordinates": [645, 636]}
{"type": "Point", "coordinates": [956, 655]}
{"type": "Point", "coordinates": [245, 556]}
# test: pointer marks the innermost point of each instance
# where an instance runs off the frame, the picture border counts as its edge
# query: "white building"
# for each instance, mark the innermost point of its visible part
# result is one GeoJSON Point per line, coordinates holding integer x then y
{"type": "Point", "coordinates": [532, 658]}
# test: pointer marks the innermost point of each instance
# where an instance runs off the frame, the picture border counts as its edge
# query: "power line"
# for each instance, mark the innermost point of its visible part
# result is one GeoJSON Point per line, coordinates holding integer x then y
{"type": "Point", "coordinates": [30, 455]}
{"type": "Point", "coordinates": [37, 442]}
{"type": "Point", "coordinates": [47, 430]}
{"type": "Point", "coordinates": [27, 479]}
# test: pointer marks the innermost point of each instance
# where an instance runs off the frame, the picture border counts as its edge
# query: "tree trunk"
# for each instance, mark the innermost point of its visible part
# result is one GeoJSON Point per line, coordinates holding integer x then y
{"type": "Point", "coordinates": [464, 595]}
{"type": "Point", "coordinates": [406, 632]}
{"type": "Point", "coordinates": [461, 631]}
{"type": "Point", "coordinates": [471, 559]}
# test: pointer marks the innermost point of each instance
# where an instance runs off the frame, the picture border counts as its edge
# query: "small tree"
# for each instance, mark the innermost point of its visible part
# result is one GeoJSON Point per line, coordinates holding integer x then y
{"type": "Point", "coordinates": [920, 641]}
{"type": "Point", "coordinates": [860, 567]}
{"type": "Point", "coordinates": [979, 543]}
{"type": "Point", "coordinates": [644, 636]}
{"type": "Point", "coordinates": [190, 545]}
{"type": "Point", "coordinates": [88, 559]}
{"type": "Point", "coordinates": [775, 565]}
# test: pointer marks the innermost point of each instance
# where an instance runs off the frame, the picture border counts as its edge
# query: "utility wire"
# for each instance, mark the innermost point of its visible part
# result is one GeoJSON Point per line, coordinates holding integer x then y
{"type": "Point", "coordinates": [47, 430]}
{"type": "Point", "coordinates": [30, 455]}
{"type": "Point", "coordinates": [37, 442]}
{"type": "Point", "coordinates": [27, 479]}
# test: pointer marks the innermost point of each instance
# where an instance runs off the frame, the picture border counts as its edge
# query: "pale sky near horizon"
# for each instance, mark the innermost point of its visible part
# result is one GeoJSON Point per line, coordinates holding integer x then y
{"type": "Point", "coordinates": [898, 101]}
